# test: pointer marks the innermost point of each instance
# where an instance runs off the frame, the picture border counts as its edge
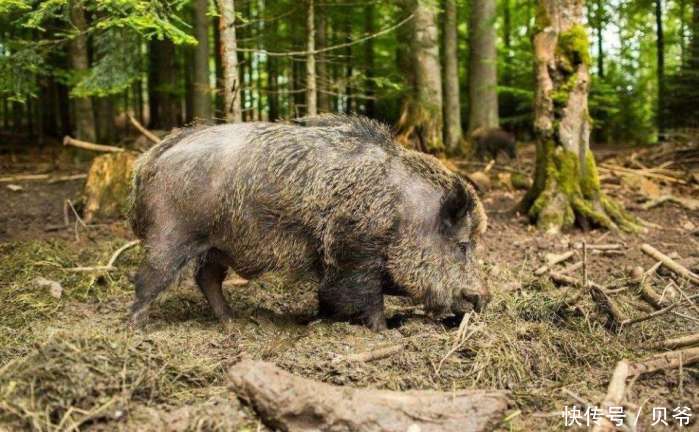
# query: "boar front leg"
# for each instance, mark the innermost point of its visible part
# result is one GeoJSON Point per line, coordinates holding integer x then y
{"type": "Point", "coordinates": [353, 292]}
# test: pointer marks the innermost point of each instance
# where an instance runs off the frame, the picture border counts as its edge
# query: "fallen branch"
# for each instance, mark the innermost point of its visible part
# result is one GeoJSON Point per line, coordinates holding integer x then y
{"type": "Point", "coordinates": [688, 203]}
{"type": "Point", "coordinates": [600, 247]}
{"type": "Point", "coordinates": [615, 318]}
{"type": "Point", "coordinates": [668, 360]}
{"type": "Point", "coordinates": [292, 403]}
{"type": "Point", "coordinates": [614, 397]}
{"type": "Point", "coordinates": [552, 261]}
{"type": "Point", "coordinates": [68, 141]}
{"type": "Point", "coordinates": [37, 177]}
{"type": "Point", "coordinates": [146, 133]}
{"type": "Point", "coordinates": [679, 342]}
{"type": "Point", "coordinates": [670, 263]}
{"type": "Point", "coordinates": [645, 289]}
{"type": "Point", "coordinates": [371, 355]}
{"type": "Point", "coordinates": [614, 168]}
{"type": "Point", "coordinates": [572, 268]}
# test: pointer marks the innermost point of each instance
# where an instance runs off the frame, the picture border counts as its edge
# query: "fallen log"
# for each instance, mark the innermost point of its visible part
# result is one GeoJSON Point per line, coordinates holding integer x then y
{"type": "Point", "coordinates": [670, 263]}
{"type": "Point", "coordinates": [69, 141]}
{"type": "Point", "coordinates": [292, 403]}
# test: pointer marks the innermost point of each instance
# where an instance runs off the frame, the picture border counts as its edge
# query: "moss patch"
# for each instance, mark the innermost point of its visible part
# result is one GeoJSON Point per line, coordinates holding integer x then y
{"type": "Point", "coordinates": [574, 47]}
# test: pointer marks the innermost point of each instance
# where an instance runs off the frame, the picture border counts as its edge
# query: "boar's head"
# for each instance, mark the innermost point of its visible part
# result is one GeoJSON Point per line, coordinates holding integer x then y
{"type": "Point", "coordinates": [432, 256]}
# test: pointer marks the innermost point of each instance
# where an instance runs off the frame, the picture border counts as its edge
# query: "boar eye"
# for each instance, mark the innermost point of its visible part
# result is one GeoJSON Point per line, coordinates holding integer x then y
{"type": "Point", "coordinates": [465, 246]}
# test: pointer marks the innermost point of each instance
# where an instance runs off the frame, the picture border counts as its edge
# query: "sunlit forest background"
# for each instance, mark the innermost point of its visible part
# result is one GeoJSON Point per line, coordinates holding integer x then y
{"type": "Point", "coordinates": [160, 61]}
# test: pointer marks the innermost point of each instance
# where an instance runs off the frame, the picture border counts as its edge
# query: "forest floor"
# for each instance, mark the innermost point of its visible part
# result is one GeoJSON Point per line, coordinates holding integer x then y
{"type": "Point", "coordinates": [68, 360]}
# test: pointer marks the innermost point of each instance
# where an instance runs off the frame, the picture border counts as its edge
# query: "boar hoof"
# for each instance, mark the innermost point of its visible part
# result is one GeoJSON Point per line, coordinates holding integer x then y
{"type": "Point", "coordinates": [377, 323]}
{"type": "Point", "coordinates": [138, 319]}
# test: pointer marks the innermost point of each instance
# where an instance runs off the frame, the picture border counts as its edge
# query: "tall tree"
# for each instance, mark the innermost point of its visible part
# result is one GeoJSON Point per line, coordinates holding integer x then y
{"type": "Point", "coordinates": [566, 186]}
{"type": "Point", "coordinates": [229, 56]}
{"type": "Point", "coordinates": [84, 115]}
{"type": "Point", "coordinates": [311, 91]}
{"type": "Point", "coordinates": [201, 99]}
{"type": "Point", "coordinates": [452, 104]}
{"type": "Point", "coordinates": [421, 117]}
{"type": "Point", "coordinates": [660, 56]}
{"type": "Point", "coordinates": [370, 91]}
{"type": "Point", "coordinates": [322, 63]}
{"type": "Point", "coordinates": [483, 78]}
{"type": "Point", "coordinates": [164, 105]}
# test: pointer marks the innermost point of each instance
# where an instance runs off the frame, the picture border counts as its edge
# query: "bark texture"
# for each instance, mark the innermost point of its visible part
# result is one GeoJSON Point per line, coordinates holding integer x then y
{"type": "Point", "coordinates": [483, 78]}
{"type": "Point", "coordinates": [566, 186]}
{"type": "Point", "coordinates": [421, 118]}
{"type": "Point", "coordinates": [311, 92]}
{"type": "Point", "coordinates": [229, 56]}
{"type": "Point", "coordinates": [292, 403]}
{"type": "Point", "coordinates": [322, 65]}
{"type": "Point", "coordinates": [162, 84]}
{"type": "Point", "coordinates": [452, 107]}
{"type": "Point", "coordinates": [84, 116]}
{"type": "Point", "coordinates": [201, 98]}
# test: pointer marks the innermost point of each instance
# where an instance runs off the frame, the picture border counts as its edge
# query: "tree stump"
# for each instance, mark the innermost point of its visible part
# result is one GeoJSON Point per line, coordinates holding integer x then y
{"type": "Point", "coordinates": [293, 403]}
{"type": "Point", "coordinates": [107, 186]}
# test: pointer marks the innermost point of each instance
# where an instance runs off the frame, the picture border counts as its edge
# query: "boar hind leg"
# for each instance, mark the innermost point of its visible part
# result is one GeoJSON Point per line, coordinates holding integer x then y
{"type": "Point", "coordinates": [209, 276]}
{"type": "Point", "coordinates": [164, 259]}
{"type": "Point", "coordinates": [355, 294]}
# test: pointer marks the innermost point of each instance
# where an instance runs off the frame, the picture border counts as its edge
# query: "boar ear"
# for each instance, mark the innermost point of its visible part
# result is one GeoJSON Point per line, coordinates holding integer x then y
{"type": "Point", "coordinates": [457, 203]}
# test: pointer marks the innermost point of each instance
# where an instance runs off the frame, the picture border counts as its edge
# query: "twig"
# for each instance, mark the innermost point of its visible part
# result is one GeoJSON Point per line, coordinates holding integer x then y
{"type": "Point", "coordinates": [668, 360]}
{"type": "Point", "coordinates": [679, 342]}
{"type": "Point", "coordinates": [658, 312]}
{"type": "Point", "coordinates": [68, 141]}
{"type": "Point", "coordinates": [121, 250]}
{"type": "Point", "coordinates": [670, 263]}
{"type": "Point", "coordinates": [584, 264]}
{"type": "Point", "coordinates": [146, 133]}
{"type": "Point", "coordinates": [614, 397]}
{"type": "Point", "coordinates": [23, 177]}
{"type": "Point", "coordinates": [459, 339]}
{"type": "Point", "coordinates": [571, 268]}
{"type": "Point", "coordinates": [615, 318]}
{"type": "Point", "coordinates": [601, 247]}
{"type": "Point", "coordinates": [555, 259]}
{"type": "Point", "coordinates": [371, 355]}
{"type": "Point", "coordinates": [67, 178]}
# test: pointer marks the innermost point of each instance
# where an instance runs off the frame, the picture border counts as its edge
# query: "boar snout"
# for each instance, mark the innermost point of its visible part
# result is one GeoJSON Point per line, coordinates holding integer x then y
{"type": "Point", "coordinates": [468, 300]}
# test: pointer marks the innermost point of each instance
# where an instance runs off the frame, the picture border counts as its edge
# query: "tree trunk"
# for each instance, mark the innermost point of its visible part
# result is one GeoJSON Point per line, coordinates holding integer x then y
{"type": "Point", "coordinates": [370, 107]}
{"type": "Point", "coordinates": [162, 83]}
{"type": "Point", "coordinates": [599, 28]}
{"type": "Point", "coordinates": [311, 92]}
{"type": "Point", "coordinates": [507, 40]}
{"type": "Point", "coordinates": [322, 65]}
{"type": "Point", "coordinates": [660, 56]}
{"type": "Point", "coordinates": [84, 116]}
{"type": "Point", "coordinates": [452, 107]}
{"type": "Point", "coordinates": [566, 186]}
{"type": "Point", "coordinates": [349, 63]}
{"type": "Point", "coordinates": [218, 65]}
{"type": "Point", "coordinates": [104, 109]}
{"type": "Point", "coordinates": [202, 91]}
{"type": "Point", "coordinates": [421, 118]}
{"type": "Point", "coordinates": [229, 56]}
{"type": "Point", "coordinates": [483, 79]}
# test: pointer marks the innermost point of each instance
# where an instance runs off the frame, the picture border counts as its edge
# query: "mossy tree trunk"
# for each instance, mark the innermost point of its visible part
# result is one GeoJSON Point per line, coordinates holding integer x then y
{"type": "Point", "coordinates": [566, 188]}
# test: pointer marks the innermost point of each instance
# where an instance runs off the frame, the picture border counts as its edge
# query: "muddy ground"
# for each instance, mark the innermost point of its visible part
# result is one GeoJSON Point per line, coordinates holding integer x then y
{"type": "Point", "coordinates": [68, 360]}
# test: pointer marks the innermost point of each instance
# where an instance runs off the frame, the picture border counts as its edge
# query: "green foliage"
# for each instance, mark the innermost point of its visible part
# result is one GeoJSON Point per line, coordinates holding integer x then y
{"type": "Point", "coordinates": [18, 72]}
{"type": "Point", "coordinates": [116, 66]}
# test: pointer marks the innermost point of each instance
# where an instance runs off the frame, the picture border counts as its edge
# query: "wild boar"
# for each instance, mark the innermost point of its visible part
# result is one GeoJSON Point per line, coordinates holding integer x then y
{"type": "Point", "coordinates": [331, 195]}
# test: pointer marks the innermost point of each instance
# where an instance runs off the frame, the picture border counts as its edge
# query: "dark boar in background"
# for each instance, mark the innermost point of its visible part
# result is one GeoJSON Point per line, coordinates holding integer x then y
{"type": "Point", "coordinates": [489, 142]}
{"type": "Point", "coordinates": [333, 195]}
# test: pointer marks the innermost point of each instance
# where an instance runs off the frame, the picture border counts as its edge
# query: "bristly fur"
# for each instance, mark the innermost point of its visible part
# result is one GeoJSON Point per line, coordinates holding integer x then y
{"type": "Point", "coordinates": [332, 195]}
